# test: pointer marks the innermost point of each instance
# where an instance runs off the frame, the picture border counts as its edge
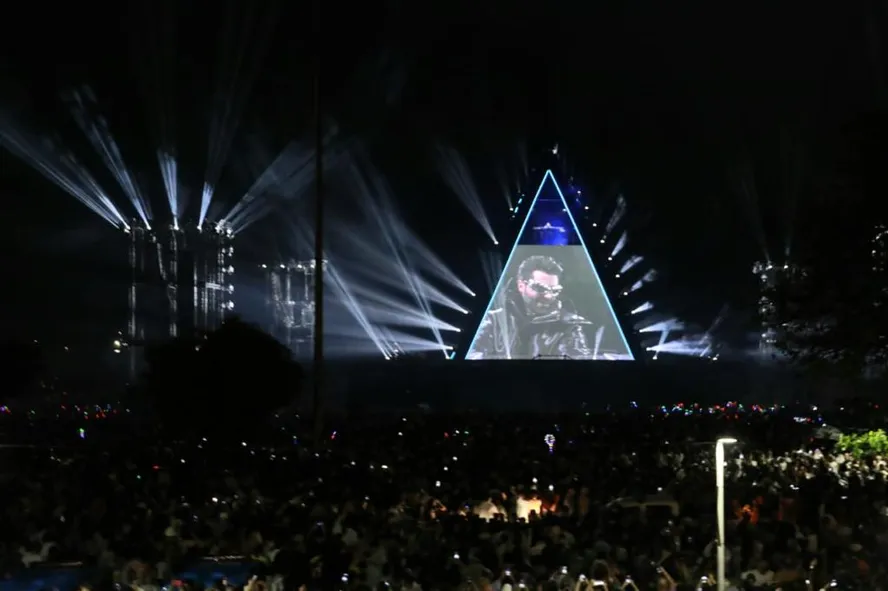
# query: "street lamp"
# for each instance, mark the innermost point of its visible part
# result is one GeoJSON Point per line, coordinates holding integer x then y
{"type": "Point", "coordinates": [720, 506]}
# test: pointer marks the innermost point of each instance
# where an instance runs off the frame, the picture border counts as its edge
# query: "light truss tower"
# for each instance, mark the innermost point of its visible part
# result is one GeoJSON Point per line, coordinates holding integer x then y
{"type": "Point", "coordinates": [550, 302]}
{"type": "Point", "coordinates": [880, 260]}
{"type": "Point", "coordinates": [181, 283]}
{"type": "Point", "coordinates": [290, 303]}
{"type": "Point", "coordinates": [211, 251]}
{"type": "Point", "coordinates": [772, 276]}
{"type": "Point", "coordinates": [880, 250]}
{"type": "Point", "coordinates": [141, 300]}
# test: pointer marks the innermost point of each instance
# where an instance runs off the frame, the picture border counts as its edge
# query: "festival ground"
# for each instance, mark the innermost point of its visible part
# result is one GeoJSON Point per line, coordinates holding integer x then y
{"type": "Point", "coordinates": [554, 385]}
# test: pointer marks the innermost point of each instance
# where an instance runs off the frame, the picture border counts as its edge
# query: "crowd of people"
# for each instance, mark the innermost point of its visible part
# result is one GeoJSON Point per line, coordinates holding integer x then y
{"type": "Point", "coordinates": [422, 502]}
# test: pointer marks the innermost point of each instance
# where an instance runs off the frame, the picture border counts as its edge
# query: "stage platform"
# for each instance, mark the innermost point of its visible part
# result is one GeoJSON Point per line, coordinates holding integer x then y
{"type": "Point", "coordinates": [554, 385]}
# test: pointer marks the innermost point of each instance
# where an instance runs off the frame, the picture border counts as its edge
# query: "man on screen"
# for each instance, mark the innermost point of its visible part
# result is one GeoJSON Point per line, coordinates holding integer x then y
{"type": "Point", "coordinates": [531, 319]}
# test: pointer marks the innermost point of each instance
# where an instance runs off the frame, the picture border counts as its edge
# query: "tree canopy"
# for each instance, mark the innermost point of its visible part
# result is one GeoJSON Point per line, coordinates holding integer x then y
{"type": "Point", "coordinates": [864, 444]}
{"type": "Point", "coordinates": [233, 379]}
{"type": "Point", "coordinates": [833, 312]}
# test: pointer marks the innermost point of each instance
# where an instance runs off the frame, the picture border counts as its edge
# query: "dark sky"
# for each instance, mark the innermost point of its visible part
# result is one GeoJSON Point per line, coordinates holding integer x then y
{"type": "Point", "coordinates": [657, 101]}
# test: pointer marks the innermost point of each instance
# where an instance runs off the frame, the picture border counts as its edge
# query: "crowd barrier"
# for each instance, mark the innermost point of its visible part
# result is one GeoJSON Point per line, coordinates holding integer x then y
{"type": "Point", "coordinates": [68, 576]}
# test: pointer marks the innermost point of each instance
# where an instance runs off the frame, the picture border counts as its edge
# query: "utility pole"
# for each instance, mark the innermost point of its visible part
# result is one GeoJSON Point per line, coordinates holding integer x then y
{"type": "Point", "coordinates": [318, 366]}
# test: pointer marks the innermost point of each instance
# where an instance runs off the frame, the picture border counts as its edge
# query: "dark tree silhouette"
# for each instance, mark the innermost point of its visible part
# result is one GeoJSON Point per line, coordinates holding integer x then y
{"type": "Point", "coordinates": [229, 382]}
{"type": "Point", "coordinates": [834, 313]}
{"type": "Point", "coordinates": [25, 365]}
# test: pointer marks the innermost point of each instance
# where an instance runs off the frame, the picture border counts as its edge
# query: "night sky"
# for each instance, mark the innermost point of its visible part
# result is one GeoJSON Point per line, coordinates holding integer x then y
{"type": "Point", "coordinates": [658, 102]}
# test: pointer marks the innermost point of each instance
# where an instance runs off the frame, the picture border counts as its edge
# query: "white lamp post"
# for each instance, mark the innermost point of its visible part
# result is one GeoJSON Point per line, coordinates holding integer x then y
{"type": "Point", "coordinates": [720, 506]}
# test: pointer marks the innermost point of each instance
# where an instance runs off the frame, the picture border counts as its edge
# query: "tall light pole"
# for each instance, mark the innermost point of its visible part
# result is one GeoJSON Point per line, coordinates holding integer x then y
{"type": "Point", "coordinates": [318, 365]}
{"type": "Point", "coordinates": [720, 506]}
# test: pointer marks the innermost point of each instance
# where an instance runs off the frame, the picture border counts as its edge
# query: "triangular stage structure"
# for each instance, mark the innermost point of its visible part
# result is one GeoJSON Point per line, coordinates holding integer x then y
{"type": "Point", "coordinates": [549, 303]}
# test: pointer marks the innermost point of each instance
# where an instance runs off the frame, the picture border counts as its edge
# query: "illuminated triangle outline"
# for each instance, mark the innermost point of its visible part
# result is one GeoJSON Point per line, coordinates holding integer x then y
{"type": "Point", "coordinates": [573, 222]}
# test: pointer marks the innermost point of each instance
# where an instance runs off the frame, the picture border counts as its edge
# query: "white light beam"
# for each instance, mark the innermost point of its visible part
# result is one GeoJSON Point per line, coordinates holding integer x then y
{"type": "Point", "coordinates": [455, 171]}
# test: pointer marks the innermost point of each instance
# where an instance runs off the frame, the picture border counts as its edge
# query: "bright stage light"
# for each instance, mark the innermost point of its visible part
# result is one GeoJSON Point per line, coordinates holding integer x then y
{"type": "Point", "coordinates": [617, 215]}
{"type": "Point", "coordinates": [238, 64]}
{"type": "Point", "coordinates": [354, 307]}
{"type": "Point", "coordinates": [374, 280]}
{"type": "Point", "coordinates": [692, 345]}
{"type": "Point", "coordinates": [383, 308]}
{"type": "Point", "coordinates": [643, 308]}
{"type": "Point", "coordinates": [294, 162]}
{"type": "Point", "coordinates": [455, 171]}
{"type": "Point", "coordinates": [206, 197]}
{"type": "Point", "coordinates": [290, 176]}
{"type": "Point", "coordinates": [85, 112]}
{"type": "Point", "coordinates": [620, 245]}
{"type": "Point", "coordinates": [679, 347]}
{"type": "Point", "coordinates": [363, 338]}
{"type": "Point", "coordinates": [423, 258]}
{"type": "Point", "coordinates": [380, 267]}
{"type": "Point", "coordinates": [554, 267]}
{"type": "Point", "coordinates": [169, 170]}
{"type": "Point", "coordinates": [397, 242]}
{"type": "Point", "coordinates": [630, 263]}
{"type": "Point", "coordinates": [648, 277]}
{"type": "Point", "coordinates": [60, 168]}
{"type": "Point", "coordinates": [402, 343]}
{"type": "Point", "coordinates": [663, 326]}
{"type": "Point", "coordinates": [70, 176]}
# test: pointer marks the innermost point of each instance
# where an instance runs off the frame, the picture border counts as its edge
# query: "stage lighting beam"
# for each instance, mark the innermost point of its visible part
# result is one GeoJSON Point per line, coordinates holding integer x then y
{"type": "Point", "coordinates": [169, 171]}
{"type": "Point", "coordinates": [61, 170]}
{"type": "Point", "coordinates": [455, 171]}
{"type": "Point", "coordinates": [98, 132]}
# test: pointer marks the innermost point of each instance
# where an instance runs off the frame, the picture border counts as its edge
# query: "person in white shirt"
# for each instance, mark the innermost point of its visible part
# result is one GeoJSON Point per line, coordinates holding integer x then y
{"type": "Point", "coordinates": [760, 576]}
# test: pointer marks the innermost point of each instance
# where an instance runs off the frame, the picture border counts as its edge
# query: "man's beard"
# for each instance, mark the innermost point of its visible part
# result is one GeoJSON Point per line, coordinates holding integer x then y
{"type": "Point", "coordinates": [540, 306]}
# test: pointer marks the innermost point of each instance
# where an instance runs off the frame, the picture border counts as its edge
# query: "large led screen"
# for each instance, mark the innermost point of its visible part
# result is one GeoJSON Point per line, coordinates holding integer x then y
{"type": "Point", "coordinates": [549, 302]}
